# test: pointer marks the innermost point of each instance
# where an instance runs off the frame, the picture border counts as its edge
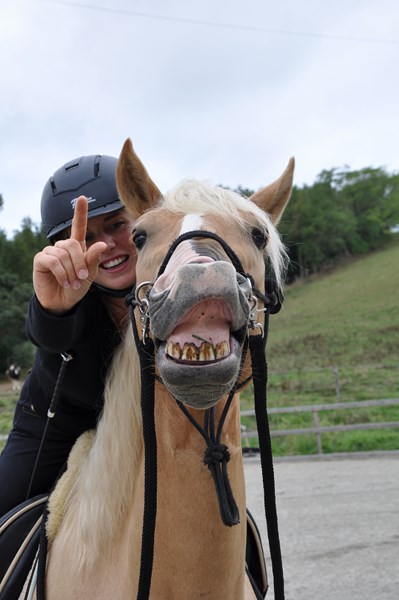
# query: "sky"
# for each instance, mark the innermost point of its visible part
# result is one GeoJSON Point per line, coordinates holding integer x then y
{"type": "Point", "coordinates": [221, 90]}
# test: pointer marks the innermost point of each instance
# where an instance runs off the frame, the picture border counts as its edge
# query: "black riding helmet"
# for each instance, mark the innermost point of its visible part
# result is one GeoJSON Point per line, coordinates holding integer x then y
{"type": "Point", "coordinates": [90, 176]}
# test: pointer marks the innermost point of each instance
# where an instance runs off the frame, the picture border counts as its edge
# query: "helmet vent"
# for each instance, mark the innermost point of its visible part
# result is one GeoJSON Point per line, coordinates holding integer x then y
{"type": "Point", "coordinates": [97, 166]}
{"type": "Point", "coordinates": [53, 186]}
{"type": "Point", "coordinates": [72, 165]}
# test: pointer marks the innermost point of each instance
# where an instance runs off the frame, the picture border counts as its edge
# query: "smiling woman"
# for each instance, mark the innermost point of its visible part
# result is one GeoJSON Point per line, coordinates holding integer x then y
{"type": "Point", "coordinates": [118, 262]}
{"type": "Point", "coordinates": [80, 281]}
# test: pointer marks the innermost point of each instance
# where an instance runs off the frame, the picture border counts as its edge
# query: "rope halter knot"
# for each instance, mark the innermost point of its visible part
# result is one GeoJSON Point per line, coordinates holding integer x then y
{"type": "Point", "coordinates": [216, 454]}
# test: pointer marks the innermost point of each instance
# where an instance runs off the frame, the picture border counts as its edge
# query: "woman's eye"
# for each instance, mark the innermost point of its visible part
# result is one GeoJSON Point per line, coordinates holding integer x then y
{"type": "Point", "coordinates": [139, 239]}
{"type": "Point", "coordinates": [118, 225]}
{"type": "Point", "coordinates": [259, 238]}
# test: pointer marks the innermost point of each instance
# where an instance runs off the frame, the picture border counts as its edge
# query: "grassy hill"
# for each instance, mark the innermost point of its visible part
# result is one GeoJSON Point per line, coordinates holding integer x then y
{"type": "Point", "coordinates": [349, 316]}
{"type": "Point", "coordinates": [337, 339]}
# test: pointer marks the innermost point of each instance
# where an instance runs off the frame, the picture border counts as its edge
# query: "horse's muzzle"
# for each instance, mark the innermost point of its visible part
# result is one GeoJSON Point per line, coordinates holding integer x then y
{"type": "Point", "coordinates": [199, 323]}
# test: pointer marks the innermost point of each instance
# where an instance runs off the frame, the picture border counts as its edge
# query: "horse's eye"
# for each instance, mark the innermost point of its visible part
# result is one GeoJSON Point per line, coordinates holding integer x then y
{"type": "Point", "coordinates": [259, 238]}
{"type": "Point", "coordinates": [139, 239]}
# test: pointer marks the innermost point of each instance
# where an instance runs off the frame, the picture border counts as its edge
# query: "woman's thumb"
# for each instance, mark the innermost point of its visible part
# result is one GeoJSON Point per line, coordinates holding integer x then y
{"type": "Point", "coordinates": [93, 258]}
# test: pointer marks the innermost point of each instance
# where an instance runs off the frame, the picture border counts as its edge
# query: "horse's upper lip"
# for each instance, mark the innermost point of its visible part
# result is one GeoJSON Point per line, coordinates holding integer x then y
{"type": "Point", "coordinates": [207, 321]}
{"type": "Point", "coordinates": [216, 284]}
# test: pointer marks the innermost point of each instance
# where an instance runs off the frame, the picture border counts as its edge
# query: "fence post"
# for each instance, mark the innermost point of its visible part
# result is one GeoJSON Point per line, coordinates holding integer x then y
{"type": "Point", "coordinates": [318, 435]}
{"type": "Point", "coordinates": [337, 384]}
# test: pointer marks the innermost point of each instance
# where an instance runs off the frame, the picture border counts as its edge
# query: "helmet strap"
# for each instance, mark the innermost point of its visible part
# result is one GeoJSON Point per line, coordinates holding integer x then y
{"type": "Point", "coordinates": [111, 292]}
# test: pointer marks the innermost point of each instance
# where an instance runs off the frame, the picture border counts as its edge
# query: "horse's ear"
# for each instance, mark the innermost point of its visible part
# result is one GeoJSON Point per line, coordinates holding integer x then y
{"type": "Point", "coordinates": [274, 197]}
{"type": "Point", "coordinates": [135, 187]}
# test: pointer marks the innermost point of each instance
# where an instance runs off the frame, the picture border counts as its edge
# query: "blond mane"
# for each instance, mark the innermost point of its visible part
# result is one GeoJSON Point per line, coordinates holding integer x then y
{"type": "Point", "coordinates": [115, 452]}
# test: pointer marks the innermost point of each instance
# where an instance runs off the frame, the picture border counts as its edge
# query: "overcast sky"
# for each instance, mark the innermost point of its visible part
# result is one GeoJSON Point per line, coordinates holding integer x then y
{"type": "Point", "coordinates": [219, 89]}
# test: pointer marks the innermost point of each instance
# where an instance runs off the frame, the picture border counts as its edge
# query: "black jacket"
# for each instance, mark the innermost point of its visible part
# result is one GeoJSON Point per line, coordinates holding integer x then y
{"type": "Point", "coordinates": [90, 335]}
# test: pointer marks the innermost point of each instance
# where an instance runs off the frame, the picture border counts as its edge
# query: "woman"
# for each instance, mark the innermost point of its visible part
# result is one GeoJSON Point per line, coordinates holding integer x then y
{"type": "Point", "coordinates": [80, 282]}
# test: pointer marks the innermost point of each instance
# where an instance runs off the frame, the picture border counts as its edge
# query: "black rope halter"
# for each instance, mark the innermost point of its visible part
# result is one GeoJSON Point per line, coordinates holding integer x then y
{"type": "Point", "coordinates": [216, 455]}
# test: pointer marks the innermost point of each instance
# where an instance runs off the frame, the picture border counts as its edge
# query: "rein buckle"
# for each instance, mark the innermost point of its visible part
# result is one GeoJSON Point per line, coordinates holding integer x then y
{"type": "Point", "coordinates": [144, 309]}
{"type": "Point", "coordinates": [254, 311]}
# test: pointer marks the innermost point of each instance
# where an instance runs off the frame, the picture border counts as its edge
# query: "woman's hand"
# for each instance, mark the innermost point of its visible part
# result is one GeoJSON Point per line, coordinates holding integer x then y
{"type": "Point", "coordinates": [63, 273]}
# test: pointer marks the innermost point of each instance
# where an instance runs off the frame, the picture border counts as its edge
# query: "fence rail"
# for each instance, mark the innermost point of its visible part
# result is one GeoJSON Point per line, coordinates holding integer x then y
{"type": "Point", "coordinates": [317, 429]}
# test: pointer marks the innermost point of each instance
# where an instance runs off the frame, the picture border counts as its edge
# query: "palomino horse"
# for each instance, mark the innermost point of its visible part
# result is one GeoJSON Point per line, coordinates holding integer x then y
{"type": "Point", "coordinates": [196, 311]}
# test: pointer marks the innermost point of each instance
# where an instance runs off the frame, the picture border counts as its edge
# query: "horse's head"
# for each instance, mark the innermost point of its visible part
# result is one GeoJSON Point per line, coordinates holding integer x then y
{"type": "Point", "coordinates": [204, 250]}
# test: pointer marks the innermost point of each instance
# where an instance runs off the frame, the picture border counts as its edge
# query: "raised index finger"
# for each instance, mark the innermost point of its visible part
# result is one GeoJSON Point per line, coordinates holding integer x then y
{"type": "Point", "coordinates": [79, 221]}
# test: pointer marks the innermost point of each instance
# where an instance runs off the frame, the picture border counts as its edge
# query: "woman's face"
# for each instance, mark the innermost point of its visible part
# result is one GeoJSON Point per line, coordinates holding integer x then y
{"type": "Point", "coordinates": [117, 269]}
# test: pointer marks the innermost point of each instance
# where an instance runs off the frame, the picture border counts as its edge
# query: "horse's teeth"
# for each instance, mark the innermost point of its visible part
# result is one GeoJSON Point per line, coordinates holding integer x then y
{"type": "Point", "coordinates": [222, 349]}
{"type": "Point", "coordinates": [174, 350]}
{"type": "Point", "coordinates": [206, 352]}
{"type": "Point", "coordinates": [190, 352]}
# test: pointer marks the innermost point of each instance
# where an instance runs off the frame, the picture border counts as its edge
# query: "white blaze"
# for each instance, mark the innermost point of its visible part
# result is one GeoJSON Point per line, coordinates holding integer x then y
{"type": "Point", "coordinates": [183, 255]}
{"type": "Point", "coordinates": [191, 222]}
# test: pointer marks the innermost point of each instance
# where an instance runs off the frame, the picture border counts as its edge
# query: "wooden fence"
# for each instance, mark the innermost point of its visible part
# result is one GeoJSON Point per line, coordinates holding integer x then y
{"type": "Point", "coordinates": [317, 429]}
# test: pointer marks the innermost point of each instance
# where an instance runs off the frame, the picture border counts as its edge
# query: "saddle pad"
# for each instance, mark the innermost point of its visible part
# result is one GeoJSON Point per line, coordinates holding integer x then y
{"type": "Point", "coordinates": [19, 540]}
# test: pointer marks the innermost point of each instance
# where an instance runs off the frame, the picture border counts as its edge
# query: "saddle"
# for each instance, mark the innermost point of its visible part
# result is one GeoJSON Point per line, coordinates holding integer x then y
{"type": "Point", "coordinates": [19, 542]}
{"type": "Point", "coordinates": [255, 559]}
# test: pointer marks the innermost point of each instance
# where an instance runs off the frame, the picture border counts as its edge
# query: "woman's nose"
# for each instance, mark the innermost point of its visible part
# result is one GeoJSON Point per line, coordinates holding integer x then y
{"type": "Point", "coordinates": [109, 240]}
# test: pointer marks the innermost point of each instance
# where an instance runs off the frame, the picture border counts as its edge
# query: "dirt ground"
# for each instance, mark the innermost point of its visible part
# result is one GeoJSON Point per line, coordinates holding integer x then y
{"type": "Point", "coordinates": [6, 387]}
{"type": "Point", "coordinates": [339, 526]}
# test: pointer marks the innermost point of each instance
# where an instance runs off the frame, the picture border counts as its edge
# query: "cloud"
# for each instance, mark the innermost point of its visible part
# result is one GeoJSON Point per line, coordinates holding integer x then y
{"type": "Point", "coordinates": [219, 90]}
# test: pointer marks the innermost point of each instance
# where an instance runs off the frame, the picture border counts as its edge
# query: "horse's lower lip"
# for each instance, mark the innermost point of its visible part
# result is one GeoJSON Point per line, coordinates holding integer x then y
{"type": "Point", "coordinates": [199, 384]}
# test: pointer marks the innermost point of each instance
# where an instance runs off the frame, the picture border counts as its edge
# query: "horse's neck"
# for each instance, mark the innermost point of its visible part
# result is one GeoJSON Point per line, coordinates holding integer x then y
{"type": "Point", "coordinates": [191, 541]}
{"type": "Point", "coordinates": [175, 431]}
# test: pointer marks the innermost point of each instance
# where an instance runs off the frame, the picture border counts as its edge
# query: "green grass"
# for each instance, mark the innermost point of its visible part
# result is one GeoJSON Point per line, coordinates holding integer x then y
{"type": "Point", "coordinates": [7, 406]}
{"type": "Point", "coordinates": [336, 339]}
{"type": "Point", "coordinates": [348, 317]}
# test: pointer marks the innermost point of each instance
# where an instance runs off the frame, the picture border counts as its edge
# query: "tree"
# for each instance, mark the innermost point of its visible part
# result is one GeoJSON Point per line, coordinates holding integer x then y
{"type": "Point", "coordinates": [16, 258]}
{"type": "Point", "coordinates": [20, 251]}
{"type": "Point", "coordinates": [343, 213]}
{"type": "Point", "coordinates": [14, 298]}
{"type": "Point", "coordinates": [373, 197]}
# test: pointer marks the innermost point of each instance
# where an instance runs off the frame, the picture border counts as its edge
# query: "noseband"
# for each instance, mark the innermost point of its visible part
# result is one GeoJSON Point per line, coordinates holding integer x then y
{"type": "Point", "coordinates": [216, 455]}
{"type": "Point", "coordinates": [272, 300]}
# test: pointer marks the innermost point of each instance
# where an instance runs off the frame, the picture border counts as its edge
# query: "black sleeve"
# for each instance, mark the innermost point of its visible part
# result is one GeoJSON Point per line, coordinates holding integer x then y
{"type": "Point", "coordinates": [53, 333]}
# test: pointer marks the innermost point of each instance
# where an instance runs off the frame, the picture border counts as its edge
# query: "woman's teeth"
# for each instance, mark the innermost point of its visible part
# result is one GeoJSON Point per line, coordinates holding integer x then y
{"type": "Point", "coordinates": [114, 263]}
